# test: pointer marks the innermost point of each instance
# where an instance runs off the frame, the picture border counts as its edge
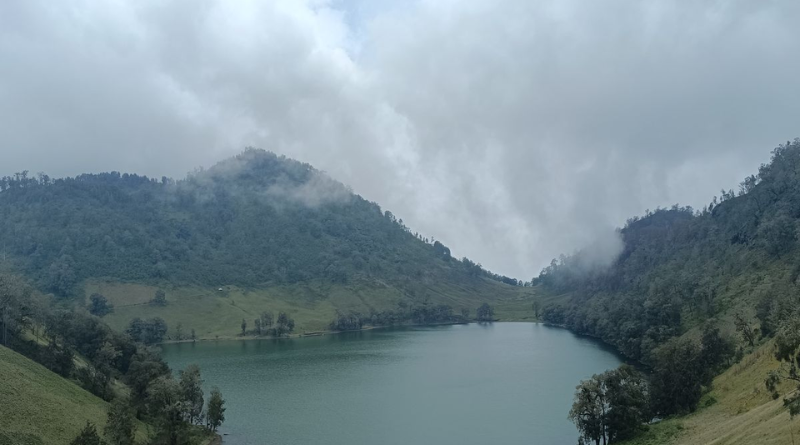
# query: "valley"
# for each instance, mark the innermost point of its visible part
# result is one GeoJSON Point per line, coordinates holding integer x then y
{"type": "Point", "coordinates": [107, 276]}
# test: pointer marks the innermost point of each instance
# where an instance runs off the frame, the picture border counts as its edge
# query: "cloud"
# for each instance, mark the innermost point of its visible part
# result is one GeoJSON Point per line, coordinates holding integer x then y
{"type": "Point", "coordinates": [274, 179]}
{"type": "Point", "coordinates": [318, 190]}
{"type": "Point", "coordinates": [510, 130]}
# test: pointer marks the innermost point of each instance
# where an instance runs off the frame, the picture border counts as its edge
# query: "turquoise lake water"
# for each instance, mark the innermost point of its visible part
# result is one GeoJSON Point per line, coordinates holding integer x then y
{"type": "Point", "coordinates": [500, 383]}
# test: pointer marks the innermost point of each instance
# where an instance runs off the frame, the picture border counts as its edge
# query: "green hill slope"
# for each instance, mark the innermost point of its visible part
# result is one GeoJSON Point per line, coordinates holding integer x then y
{"type": "Point", "coordinates": [737, 411]}
{"type": "Point", "coordinates": [275, 233]}
{"type": "Point", "coordinates": [39, 407]}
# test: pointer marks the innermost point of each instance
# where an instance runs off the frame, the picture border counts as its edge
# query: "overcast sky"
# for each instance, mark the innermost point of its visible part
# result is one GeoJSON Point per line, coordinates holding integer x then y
{"type": "Point", "coordinates": [511, 130]}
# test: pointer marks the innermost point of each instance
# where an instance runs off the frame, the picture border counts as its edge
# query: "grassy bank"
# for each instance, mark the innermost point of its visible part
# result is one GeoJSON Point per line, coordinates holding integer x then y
{"type": "Point", "coordinates": [737, 411]}
{"type": "Point", "coordinates": [39, 407]}
{"type": "Point", "coordinates": [218, 314]}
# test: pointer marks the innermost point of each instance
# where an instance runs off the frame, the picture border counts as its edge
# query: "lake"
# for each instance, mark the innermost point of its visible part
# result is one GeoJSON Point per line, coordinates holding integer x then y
{"type": "Point", "coordinates": [504, 383]}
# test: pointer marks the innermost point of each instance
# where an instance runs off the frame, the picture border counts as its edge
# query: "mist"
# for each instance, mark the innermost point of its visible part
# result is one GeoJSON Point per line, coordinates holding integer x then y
{"type": "Point", "coordinates": [512, 131]}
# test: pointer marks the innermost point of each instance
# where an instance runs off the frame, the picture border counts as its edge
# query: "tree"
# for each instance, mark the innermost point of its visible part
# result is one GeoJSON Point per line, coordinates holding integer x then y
{"type": "Point", "coordinates": [347, 322]}
{"type": "Point", "coordinates": [121, 427]}
{"type": "Point", "coordinates": [677, 377]}
{"type": "Point", "coordinates": [165, 406]}
{"type": "Point", "coordinates": [159, 299]}
{"type": "Point", "coordinates": [179, 331]}
{"type": "Point", "coordinates": [99, 305]}
{"type": "Point", "coordinates": [59, 359]}
{"type": "Point", "coordinates": [14, 296]}
{"type": "Point", "coordinates": [611, 406]}
{"type": "Point", "coordinates": [485, 313]}
{"type": "Point", "coordinates": [628, 397]}
{"type": "Point", "coordinates": [536, 306]}
{"type": "Point", "coordinates": [749, 333]}
{"type": "Point", "coordinates": [216, 410]}
{"type": "Point", "coordinates": [244, 327]}
{"type": "Point", "coordinates": [284, 324]}
{"type": "Point", "coordinates": [156, 331]}
{"type": "Point", "coordinates": [61, 276]}
{"type": "Point", "coordinates": [104, 365]}
{"type": "Point", "coordinates": [778, 235]}
{"type": "Point", "coordinates": [266, 320]}
{"type": "Point", "coordinates": [149, 331]}
{"type": "Point", "coordinates": [716, 352]}
{"type": "Point", "coordinates": [465, 313]}
{"type": "Point", "coordinates": [194, 337]}
{"type": "Point", "coordinates": [87, 436]}
{"type": "Point", "coordinates": [588, 410]}
{"type": "Point", "coordinates": [191, 387]}
{"type": "Point", "coordinates": [787, 350]}
{"type": "Point", "coordinates": [145, 367]}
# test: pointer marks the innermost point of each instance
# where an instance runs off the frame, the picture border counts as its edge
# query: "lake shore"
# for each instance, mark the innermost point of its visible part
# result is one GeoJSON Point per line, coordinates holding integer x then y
{"type": "Point", "coordinates": [328, 332]}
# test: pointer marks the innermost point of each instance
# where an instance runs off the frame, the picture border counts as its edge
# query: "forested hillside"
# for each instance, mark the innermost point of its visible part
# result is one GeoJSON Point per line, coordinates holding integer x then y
{"type": "Point", "coordinates": [253, 219]}
{"type": "Point", "coordinates": [275, 233]}
{"type": "Point", "coordinates": [691, 294]}
{"type": "Point", "coordinates": [736, 260]}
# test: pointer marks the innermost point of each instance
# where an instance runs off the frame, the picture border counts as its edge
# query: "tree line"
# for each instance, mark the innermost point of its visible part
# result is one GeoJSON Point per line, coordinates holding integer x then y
{"type": "Point", "coordinates": [420, 314]}
{"type": "Point", "coordinates": [267, 325]}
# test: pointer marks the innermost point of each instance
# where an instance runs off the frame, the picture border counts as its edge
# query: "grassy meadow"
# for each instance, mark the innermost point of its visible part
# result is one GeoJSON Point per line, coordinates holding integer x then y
{"type": "Point", "coordinates": [27, 388]}
{"type": "Point", "coordinates": [218, 314]}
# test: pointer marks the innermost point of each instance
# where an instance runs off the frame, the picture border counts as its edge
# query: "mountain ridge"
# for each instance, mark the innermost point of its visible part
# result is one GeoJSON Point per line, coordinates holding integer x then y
{"type": "Point", "coordinates": [282, 234]}
{"type": "Point", "coordinates": [297, 222]}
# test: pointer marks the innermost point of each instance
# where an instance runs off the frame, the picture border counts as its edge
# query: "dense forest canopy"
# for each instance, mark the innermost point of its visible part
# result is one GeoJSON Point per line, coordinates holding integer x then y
{"type": "Point", "coordinates": [253, 219]}
{"type": "Point", "coordinates": [736, 258]}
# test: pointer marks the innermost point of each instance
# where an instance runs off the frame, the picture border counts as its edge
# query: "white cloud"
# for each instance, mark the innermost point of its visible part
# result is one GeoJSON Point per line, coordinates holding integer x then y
{"type": "Point", "coordinates": [510, 130]}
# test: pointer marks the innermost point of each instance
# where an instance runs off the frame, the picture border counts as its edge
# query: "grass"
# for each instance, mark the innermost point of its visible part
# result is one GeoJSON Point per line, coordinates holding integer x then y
{"type": "Point", "coordinates": [737, 411]}
{"type": "Point", "coordinates": [658, 434]}
{"type": "Point", "coordinates": [39, 407]}
{"type": "Point", "coordinates": [218, 314]}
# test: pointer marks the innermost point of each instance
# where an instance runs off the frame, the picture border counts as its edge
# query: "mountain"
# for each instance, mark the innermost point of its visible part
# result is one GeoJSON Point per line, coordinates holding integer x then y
{"type": "Point", "coordinates": [737, 257]}
{"type": "Point", "coordinates": [272, 233]}
{"type": "Point", "coordinates": [698, 292]}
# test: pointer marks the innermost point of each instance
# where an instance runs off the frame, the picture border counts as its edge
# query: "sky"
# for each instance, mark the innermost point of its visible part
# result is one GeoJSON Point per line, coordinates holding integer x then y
{"type": "Point", "coordinates": [510, 130]}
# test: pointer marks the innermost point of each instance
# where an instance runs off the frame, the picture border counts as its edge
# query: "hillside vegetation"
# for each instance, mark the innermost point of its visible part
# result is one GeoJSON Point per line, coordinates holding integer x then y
{"type": "Point", "coordinates": [737, 258]}
{"type": "Point", "coordinates": [39, 407]}
{"type": "Point", "coordinates": [737, 411]}
{"type": "Point", "coordinates": [251, 220]}
{"type": "Point", "coordinates": [692, 294]}
{"type": "Point", "coordinates": [273, 233]}
{"type": "Point", "coordinates": [65, 373]}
